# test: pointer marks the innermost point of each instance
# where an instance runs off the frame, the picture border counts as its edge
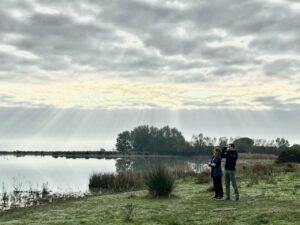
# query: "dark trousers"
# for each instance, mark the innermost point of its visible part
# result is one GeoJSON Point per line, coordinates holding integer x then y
{"type": "Point", "coordinates": [218, 186]}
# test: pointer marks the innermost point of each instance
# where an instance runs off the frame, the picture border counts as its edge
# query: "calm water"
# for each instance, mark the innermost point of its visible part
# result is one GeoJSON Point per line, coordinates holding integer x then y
{"type": "Point", "coordinates": [64, 175]}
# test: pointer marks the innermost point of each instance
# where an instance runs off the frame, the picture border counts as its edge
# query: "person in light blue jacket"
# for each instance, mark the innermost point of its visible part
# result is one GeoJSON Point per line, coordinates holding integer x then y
{"type": "Point", "coordinates": [216, 173]}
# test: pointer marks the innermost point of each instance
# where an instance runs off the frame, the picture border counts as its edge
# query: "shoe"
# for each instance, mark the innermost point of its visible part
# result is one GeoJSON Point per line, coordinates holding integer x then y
{"type": "Point", "coordinates": [219, 198]}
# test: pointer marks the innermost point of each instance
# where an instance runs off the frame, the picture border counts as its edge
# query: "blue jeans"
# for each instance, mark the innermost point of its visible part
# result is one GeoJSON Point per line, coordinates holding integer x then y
{"type": "Point", "coordinates": [230, 177]}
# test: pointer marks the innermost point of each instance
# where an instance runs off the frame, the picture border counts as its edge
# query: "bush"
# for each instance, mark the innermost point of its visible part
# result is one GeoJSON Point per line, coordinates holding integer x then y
{"type": "Point", "coordinates": [289, 155]}
{"type": "Point", "coordinates": [159, 181]}
{"type": "Point", "coordinates": [289, 168]}
{"type": "Point", "coordinates": [123, 181]}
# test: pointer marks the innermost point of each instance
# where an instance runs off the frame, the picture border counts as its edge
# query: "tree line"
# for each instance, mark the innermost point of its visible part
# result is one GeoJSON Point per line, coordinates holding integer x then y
{"type": "Point", "coordinates": [152, 140]}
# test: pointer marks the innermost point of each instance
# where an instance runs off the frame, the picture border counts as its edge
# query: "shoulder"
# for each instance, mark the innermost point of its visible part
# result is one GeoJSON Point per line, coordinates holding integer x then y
{"type": "Point", "coordinates": [218, 158]}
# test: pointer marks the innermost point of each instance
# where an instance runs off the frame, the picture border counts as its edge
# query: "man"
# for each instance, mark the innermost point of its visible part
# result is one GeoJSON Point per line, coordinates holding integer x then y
{"type": "Point", "coordinates": [231, 156]}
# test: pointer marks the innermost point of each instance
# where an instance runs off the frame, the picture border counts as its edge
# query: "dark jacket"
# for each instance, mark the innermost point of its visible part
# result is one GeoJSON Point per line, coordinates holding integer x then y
{"type": "Point", "coordinates": [231, 157]}
{"type": "Point", "coordinates": [216, 170]}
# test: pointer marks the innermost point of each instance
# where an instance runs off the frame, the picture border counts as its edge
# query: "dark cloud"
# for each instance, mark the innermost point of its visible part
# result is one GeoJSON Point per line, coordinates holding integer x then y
{"type": "Point", "coordinates": [148, 39]}
{"type": "Point", "coordinates": [277, 44]}
{"type": "Point", "coordinates": [274, 102]}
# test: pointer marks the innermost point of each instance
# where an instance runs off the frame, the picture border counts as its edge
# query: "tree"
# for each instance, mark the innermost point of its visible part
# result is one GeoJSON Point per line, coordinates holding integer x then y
{"type": "Point", "coordinates": [223, 141]}
{"type": "Point", "coordinates": [244, 144]}
{"type": "Point", "coordinates": [152, 140]}
{"type": "Point", "coordinates": [282, 143]}
{"type": "Point", "coordinates": [124, 142]}
{"type": "Point", "coordinates": [202, 144]}
{"type": "Point", "coordinates": [141, 139]}
{"type": "Point", "coordinates": [198, 141]}
{"type": "Point", "coordinates": [296, 146]}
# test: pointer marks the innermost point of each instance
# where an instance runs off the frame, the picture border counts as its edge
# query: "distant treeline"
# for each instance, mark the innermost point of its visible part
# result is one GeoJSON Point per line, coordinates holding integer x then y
{"type": "Point", "coordinates": [151, 140]}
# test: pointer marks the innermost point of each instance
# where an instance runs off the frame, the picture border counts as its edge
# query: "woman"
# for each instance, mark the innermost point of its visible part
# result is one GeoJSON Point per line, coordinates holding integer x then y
{"type": "Point", "coordinates": [216, 173]}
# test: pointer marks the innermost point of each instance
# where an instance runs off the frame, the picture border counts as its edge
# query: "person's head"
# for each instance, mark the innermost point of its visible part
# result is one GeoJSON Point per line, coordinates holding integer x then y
{"type": "Point", "coordinates": [217, 151]}
{"type": "Point", "coordinates": [231, 147]}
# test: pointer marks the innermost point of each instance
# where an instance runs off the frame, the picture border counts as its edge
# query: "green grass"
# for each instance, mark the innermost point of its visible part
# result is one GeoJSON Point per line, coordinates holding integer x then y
{"type": "Point", "coordinates": [271, 200]}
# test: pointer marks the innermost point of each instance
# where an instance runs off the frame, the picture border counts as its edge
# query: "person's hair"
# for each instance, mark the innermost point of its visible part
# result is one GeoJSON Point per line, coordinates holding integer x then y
{"type": "Point", "coordinates": [232, 145]}
{"type": "Point", "coordinates": [217, 150]}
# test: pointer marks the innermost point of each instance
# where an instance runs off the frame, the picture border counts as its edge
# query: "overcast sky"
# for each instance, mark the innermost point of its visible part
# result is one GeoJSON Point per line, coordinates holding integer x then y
{"type": "Point", "coordinates": [75, 73]}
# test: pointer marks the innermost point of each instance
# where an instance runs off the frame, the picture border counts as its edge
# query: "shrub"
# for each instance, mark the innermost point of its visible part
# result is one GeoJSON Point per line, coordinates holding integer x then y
{"type": "Point", "coordinates": [289, 155]}
{"type": "Point", "coordinates": [289, 168]}
{"type": "Point", "coordinates": [45, 190]}
{"type": "Point", "coordinates": [129, 212]}
{"type": "Point", "coordinates": [123, 181]}
{"type": "Point", "coordinates": [160, 181]}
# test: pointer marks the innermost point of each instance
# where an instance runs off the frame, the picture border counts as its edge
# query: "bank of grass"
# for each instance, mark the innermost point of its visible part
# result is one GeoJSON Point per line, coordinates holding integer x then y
{"type": "Point", "coordinates": [273, 198]}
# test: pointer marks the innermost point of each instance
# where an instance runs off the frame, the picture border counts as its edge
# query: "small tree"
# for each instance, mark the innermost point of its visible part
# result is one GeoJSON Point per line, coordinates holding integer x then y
{"type": "Point", "coordinates": [282, 143]}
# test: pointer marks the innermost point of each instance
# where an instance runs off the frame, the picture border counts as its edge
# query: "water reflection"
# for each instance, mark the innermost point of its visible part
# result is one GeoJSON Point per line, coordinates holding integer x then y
{"type": "Point", "coordinates": [25, 180]}
{"type": "Point", "coordinates": [144, 163]}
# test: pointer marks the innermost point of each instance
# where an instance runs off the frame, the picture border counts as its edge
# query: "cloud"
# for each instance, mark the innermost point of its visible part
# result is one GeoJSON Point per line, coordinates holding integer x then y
{"type": "Point", "coordinates": [113, 94]}
{"type": "Point", "coordinates": [135, 43]}
{"type": "Point", "coordinates": [283, 68]}
{"type": "Point", "coordinates": [279, 104]}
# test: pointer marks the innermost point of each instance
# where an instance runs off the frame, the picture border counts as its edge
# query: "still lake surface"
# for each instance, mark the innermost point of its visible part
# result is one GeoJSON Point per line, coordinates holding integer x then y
{"type": "Point", "coordinates": [65, 175]}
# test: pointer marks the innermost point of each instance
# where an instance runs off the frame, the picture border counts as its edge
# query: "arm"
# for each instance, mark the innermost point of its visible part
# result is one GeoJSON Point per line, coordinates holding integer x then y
{"type": "Point", "coordinates": [236, 156]}
{"type": "Point", "coordinates": [224, 152]}
{"type": "Point", "coordinates": [216, 162]}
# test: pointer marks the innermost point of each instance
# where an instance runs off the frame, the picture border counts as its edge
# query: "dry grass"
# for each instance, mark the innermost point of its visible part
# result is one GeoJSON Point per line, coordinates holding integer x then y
{"type": "Point", "coordinates": [123, 181]}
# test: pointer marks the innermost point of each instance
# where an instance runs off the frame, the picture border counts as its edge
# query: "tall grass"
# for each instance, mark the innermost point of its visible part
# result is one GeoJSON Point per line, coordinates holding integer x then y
{"type": "Point", "coordinates": [258, 169]}
{"type": "Point", "coordinates": [182, 171]}
{"type": "Point", "coordinates": [123, 181]}
{"type": "Point", "coordinates": [203, 177]}
{"type": "Point", "coordinates": [159, 181]}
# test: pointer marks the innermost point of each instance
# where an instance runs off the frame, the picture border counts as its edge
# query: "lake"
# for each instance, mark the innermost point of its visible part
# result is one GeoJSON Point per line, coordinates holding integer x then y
{"type": "Point", "coordinates": [65, 175]}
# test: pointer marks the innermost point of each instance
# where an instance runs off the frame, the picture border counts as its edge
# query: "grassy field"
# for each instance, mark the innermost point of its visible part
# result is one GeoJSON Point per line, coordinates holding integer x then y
{"type": "Point", "coordinates": [273, 199]}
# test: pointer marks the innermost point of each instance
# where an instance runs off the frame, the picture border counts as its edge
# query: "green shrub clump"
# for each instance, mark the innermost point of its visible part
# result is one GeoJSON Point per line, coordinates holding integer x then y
{"type": "Point", "coordinates": [159, 181]}
{"type": "Point", "coordinates": [289, 155]}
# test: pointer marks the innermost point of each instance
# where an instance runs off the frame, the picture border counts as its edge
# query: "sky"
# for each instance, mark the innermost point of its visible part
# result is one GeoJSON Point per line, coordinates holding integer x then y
{"type": "Point", "coordinates": [74, 74]}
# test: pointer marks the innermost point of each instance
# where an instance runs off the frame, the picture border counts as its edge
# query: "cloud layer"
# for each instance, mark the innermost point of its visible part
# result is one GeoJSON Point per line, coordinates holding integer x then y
{"type": "Point", "coordinates": [150, 54]}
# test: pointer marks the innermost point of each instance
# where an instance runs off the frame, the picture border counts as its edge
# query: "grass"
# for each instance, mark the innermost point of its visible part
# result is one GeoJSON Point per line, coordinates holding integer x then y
{"type": "Point", "coordinates": [274, 200]}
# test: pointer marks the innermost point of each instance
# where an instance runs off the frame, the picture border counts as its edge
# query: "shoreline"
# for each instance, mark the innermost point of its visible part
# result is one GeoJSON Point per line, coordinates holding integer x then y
{"type": "Point", "coordinates": [114, 155]}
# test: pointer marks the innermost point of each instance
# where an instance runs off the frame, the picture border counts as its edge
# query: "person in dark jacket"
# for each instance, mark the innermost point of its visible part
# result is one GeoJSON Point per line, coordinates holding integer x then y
{"type": "Point", "coordinates": [231, 156]}
{"type": "Point", "coordinates": [216, 173]}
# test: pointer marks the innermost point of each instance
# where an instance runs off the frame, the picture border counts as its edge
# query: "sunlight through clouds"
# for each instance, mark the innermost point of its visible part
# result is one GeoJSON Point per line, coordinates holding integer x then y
{"type": "Point", "coordinates": [125, 94]}
{"type": "Point", "coordinates": [147, 61]}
